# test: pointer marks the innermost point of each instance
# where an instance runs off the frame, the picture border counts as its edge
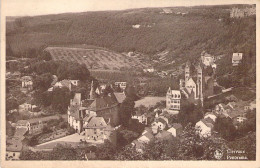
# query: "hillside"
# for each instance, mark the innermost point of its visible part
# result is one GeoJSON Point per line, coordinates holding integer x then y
{"type": "Point", "coordinates": [96, 58]}
{"type": "Point", "coordinates": [178, 36]}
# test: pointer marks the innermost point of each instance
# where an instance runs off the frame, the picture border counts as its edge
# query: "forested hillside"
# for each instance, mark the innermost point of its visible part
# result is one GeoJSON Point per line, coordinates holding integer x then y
{"type": "Point", "coordinates": [185, 33]}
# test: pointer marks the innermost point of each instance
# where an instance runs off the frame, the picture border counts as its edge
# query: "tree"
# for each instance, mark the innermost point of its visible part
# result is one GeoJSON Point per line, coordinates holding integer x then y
{"type": "Point", "coordinates": [130, 93]}
{"type": "Point", "coordinates": [42, 81]}
{"type": "Point", "coordinates": [45, 55]}
{"type": "Point", "coordinates": [60, 99]}
{"type": "Point", "coordinates": [225, 127]}
{"type": "Point", "coordinates": [127, 136]}
{"type": "Point", "coordinates": [105, 151]}
{"type": "Point", "coordinates": [107, 90]}
{"type": "Point", "coordinates": [11, 104]}
{"type": "Point", "coordinates": [125, 111]}
{"type": "Point", "coordinates": [64, 152]}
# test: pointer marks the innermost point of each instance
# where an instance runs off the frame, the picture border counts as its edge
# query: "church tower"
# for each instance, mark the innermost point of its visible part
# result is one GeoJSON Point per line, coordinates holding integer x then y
{"type": "Point", "coordinates": [92, 94]}
{"type": "Point", "coordinates": [187, 71]}
{"type": "Point", "coordinates": [200, 81]}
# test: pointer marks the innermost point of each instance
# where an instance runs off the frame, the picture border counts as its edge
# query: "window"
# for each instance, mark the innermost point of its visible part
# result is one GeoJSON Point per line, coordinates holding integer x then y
{"type": "Point", "coordinates": [13, 154]}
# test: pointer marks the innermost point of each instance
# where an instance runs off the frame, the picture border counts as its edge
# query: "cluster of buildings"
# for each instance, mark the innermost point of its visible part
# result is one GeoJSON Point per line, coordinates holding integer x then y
{"type": "Point", "coordinates": [197, 84]}
{"type": "Point", "coordinates": [96, 116]}
{"type": "Point", "coordinates": [236, 111]}
{"type": "Point", "coordinates": [15, 143]}
{"type": "Point", "coordinates": [160, 129]}
{"type": "Point", "coordinates": [243, 12]}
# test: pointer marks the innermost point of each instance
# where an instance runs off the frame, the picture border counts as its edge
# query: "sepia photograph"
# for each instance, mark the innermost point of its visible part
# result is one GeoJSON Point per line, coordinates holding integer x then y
{"type": "Point", "coordinates": [128, 81]}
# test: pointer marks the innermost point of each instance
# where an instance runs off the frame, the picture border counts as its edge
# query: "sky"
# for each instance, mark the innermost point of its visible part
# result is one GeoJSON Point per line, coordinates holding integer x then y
{"type": "Point", "coordinates": [42, 7]}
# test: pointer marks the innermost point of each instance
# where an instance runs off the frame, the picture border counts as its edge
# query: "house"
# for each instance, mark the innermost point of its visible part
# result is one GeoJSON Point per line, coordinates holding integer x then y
{"type": "Point", "coordinates": [211, 116]}
{"type": "Point", "coordinates": [139, 146]}
{"type": "Point", "coordinates": [164, 135]}
{"type": "Point", "coordinates": [253, 105]}
{"type": "Point", "coordinates": [27, 107]}
{"type": "Point", "coordinates": [145, 138]}
{"type": "Point", "coordinates": [207, 59]}
{"type": "Point", "coordinates": [122, 85]}
{"type": "Point", "coordinates": [149, 70]}
{"type": "Point", "coordinates": [95, 129]}
{"type": "Point", "coordinates": [80, 111]}
{"type": "Point", "coordinates": [204, 127]}
{"type": "Point", "coordinates": [64, 83]}
{"type": "Point", "coordinates": [27, 82]}
{"type": "Point", "coordinates": [176, 129]}
{"type": "Point", "coordinates": [137, 26]}
{"type": "Point", "coordinates": [237, 58]}
{"type": "Point", "coordinates": [166, 11]}
{"type": "Point", "coordinates": [14, 147]}
{"type": "Point", "coordinates": [158, 125]}
{"type": "Point", "coordinates": [147, 129]}
{"type": "Point", "coordinates": [173, 101]}
{"type": "Point", "coordinates": [142, 118]}
{"type": "Point", "coordinates": [35, 125]}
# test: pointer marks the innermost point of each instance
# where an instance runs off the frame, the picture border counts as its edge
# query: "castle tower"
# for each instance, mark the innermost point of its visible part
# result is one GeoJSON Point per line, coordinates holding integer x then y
{"type": "Point", "coordinates": [200, 82]}
{"type": "Point", "coordinates": [187, 71]}
{"type": "Point", "coordinates": [92, 94]}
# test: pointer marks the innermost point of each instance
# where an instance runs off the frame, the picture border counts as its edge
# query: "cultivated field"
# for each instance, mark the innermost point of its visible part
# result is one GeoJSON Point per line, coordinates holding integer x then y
{"type": "Point", "coordinates": [96, 58]}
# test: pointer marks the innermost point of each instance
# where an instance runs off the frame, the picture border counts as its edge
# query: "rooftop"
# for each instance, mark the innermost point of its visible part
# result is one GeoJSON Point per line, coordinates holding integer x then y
{"type": "Point", "coordinates": [96, 122]}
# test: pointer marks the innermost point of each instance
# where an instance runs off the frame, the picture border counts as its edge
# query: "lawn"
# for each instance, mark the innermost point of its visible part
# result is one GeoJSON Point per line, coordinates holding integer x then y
{"type": "Point", "coordinates": [149, 101]}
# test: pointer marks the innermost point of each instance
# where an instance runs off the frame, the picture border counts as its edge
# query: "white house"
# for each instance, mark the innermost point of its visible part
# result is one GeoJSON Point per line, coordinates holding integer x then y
{"type": "Point", "coordinates": [149, 70]}
{"type": "Point", "coordinates": [142, 118]}
{"type": "Point", "coordinates": [27, 107]}
{"type": "Point", "coordinates": [173, 101]}
{"type": "Point", "coordinates": [207, 59]}
{"type": "Point", "coordinates": [27, 82]}
{"type": "Point", "coordinates": [204, 127]}
{"type": "Point", "coordinates": [122, 85]}
{"type": "Point", "coordinates": [210, 115]}
{"type": "Point", "coordinates": [175, 130]}
{"type": "Point", "coordinates": [237, 58]}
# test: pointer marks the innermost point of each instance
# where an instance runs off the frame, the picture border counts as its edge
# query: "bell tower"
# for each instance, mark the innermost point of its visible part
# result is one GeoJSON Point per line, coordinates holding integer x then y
{"type": "Point", "coordinates": [187, 71]}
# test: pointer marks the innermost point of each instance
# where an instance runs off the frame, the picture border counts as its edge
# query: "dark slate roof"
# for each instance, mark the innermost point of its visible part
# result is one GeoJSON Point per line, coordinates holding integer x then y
{"type": "Point", "coordinates": [161, 120]}
{"type": "Point", "coordinates": [176, 126]}
{"type": "Point", "coordinates": [149, 135]}
{"type": "Point", "coordinates": [74, 111]}
{"type": "Point", "coordinates": [96, 122]}
{"type": "Point", "coordinates": [120, 97]}
{"type": "Point", "coordinates": [34, 120]}
{"type": "Point", "coordinates": [20, 132]}
{"type": "Point", "coordinates": [14, 145]}
{"type": "Point", "coordinates": [208, 122]}
{"type": "Point", "coordinates": [164, 135]}
{"type": "Point", "coordinates": [102, 103]}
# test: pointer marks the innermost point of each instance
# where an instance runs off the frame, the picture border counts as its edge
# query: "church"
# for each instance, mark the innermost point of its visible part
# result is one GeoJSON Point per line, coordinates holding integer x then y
{"type": "Point", "coordinates": [198, 82]}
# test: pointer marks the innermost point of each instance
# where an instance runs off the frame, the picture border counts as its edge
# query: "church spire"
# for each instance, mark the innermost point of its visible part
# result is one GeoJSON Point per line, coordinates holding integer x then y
{"type": "Point", "coordinates": [92, 94]}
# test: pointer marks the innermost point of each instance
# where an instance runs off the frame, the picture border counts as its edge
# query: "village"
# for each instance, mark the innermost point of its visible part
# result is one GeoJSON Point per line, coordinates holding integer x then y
{"type": "Point", "coordinates": [103, 111]}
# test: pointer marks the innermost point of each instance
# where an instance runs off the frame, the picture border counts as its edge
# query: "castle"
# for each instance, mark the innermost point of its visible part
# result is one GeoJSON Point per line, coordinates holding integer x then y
{"type": "Point", "coordinates": [81, 111]}
{"type": "Point", "coordinates": [198, 82]}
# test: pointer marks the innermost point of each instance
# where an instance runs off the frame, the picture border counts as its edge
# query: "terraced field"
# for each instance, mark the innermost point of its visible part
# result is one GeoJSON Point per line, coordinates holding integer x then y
{"type": "Point", "coordinates": [96, 58]}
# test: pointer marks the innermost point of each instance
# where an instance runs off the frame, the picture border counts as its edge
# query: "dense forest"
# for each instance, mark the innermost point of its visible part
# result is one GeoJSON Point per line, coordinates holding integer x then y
{"type": "Point", "coordinates": [201, 28]}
